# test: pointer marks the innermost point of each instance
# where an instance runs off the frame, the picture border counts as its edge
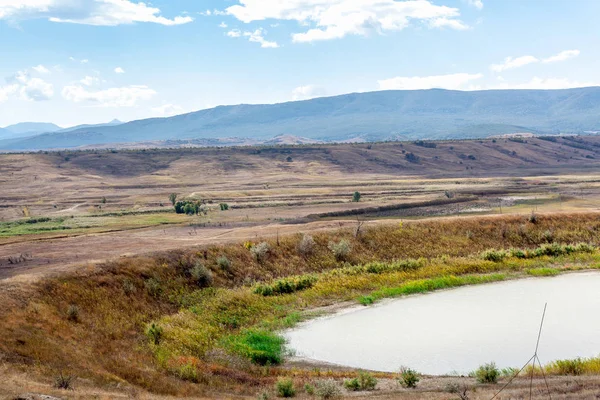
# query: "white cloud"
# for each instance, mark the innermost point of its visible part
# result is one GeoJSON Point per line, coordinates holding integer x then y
{"type": "Point", "coordinates": [510, 63]}
{"type": "Point", "coordinates": [206, 13]}
{"type": "Point", "coordinates": [308, 92]}
{"type": "Point", "coordinates": [89, 81]}
{"type": "Point", "coordinates": [41, 69]}
{"type": "Point", "coordinates": [562, 56]}
{"type": "Point", "coordinates": [258, 37]}
{"type": "Point", "coordinates": [85, 61]}
{"type": "Point", "coordinates": [334, 19]}
{"type": "Point", "coordinates": [450, 81]}
{"type": "Point", "coordinates": [31, 89]}
{"type": "Point", "coordinates": [88, 12]}
{"type": "Point", "coordinates": [6, 91]}
{"type": "Point", "coordinates": [127, 96]}
{"type": "Point", "coordinates": [119, 70]}
{"type": "Point", "coordinates": [475, 3]}
{"type": "Point", "coordinates": [546, 83]}
{"type": "Point", "coordinates": [223, 25]}
{"type": "Point", "coordinates": [167, 110]}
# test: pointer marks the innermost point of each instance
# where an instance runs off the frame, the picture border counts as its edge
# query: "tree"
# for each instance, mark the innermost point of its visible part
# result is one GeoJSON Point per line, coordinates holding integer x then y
{"type": "Point", "coordinates": [173, 198]}
{"type": "Point", "coordinates": [356, 197]}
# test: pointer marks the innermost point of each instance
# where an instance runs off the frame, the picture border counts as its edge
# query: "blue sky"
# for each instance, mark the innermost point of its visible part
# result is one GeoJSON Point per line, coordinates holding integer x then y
{"type": "Point", "coordinates": [89, 61]}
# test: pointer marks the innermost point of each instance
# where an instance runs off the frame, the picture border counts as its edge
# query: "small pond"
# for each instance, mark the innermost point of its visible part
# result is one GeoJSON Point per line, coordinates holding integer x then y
{"type": "Point", "coordinates": [455, 331]}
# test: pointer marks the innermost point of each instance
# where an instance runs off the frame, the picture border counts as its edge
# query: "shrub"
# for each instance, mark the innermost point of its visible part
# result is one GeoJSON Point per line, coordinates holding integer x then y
{"type": "Point", "coordinates": [408, 378]}
{"type": "Point", "coordinates": [309, 389]}
{"type": "Point", "coordinates": [224, 263]}
{"type": "Point", "coordinates": [487, 373]}
{"type": "Point", "coordinates": [365, 381]}
{"type": "Point", "coordinates": [285, 387]}
{"type": "Point", "coordinates": [263, 396]}
{"type": "Point", "coordinates": [286, 285]}
{"type": "Point", "coordinates": [518, 253]}
{"type": "Point", "coordinates": [188, 372]}
{"type": "Point", "coordinates": [306, 246]}
{"type": "Point", "coordinates": [533, 218]}
{"type": "Point", "coordinates": [352, 384]}
{"type": "Point", "coordinates": [494, 255]}
{"type": "Point", "coordinates": [569, 367]}
{"type": "Point", "coordinates": [327, 389]}
{"type": "Point", "coordinates": [224, 206]}
{"type": "Point", "coordinates": [260, 251]}
{"type": "Point", "coordinates": [129, 287]}
{"type": "Point", "coordinates": [64, 382]}
{"type": "Point", "coordinates": [73, 313]}
{"type": "Point", "coordinates": [261, 347]}
{"type": "Point", "coordinates": [340, 250]}
{"type": "Point", "coordinates": [173, 198]}
{"type": "Point", "coordinates": [154, 333]}
{"type": "Point", "coordinates": [356, 197]}
{"type": "Point", "coordinates": [202, 276]}
{"type": "Point", "coordinates": [153, 287]}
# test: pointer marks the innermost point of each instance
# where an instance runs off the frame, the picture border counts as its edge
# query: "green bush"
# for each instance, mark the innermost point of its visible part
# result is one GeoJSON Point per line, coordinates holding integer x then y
{"type": "Point", "coordinates": [341, 250]}
{"type": "Point", "coordinates": [286, 286]}
{"type": "Point", "coordinates": [73, 313]}
{"type": "Point", "coordinates": [408, 378]}
{"type": "Point", "coordinates": [202, 276]}
{"type": "Point", "coordinates": [352, 384]}
{"type": "Point", "coordinates": [285, 387]}
{"type": "Point", "coordinates": [154, 333]}
{"type": "Point", "coordinates": [569, 367]}
{"type": "Point", "coordinates": [224, 206]}
{"type": "Point", "coordinates": [494, 255]}
{"type": "Point", "coordinates": [309, 389]}
{"type": "Point", "coordinates": [327, 389]}
{"type": "Point", "coordinates": [487, 373]}
{"type": "Point", "coordinates": [356, 197]}
{"type": "Point", "coordinates": [224, 263]}
{"type": "Point", "coordinates": [260, 251]}
{"type": "Point", "coordinates": [153, 287]}
{"type": "Point", "coordinates": [260, 347]}
{"type": "Point", "coordinates": [365, 381]}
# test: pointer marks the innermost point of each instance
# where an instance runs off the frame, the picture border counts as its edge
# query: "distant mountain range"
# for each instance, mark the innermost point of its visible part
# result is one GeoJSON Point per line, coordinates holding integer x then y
{"type": "Point", "coordinates": [27, 129]}
{"type": "Point", "coordinates": [383, 115]}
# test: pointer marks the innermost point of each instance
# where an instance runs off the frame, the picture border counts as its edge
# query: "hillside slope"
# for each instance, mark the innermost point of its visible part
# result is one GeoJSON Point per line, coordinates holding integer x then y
{"type": "Point", "coordinates": [422, 114]}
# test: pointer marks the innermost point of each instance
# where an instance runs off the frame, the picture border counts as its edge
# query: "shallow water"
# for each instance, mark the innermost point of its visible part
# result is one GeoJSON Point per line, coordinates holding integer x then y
{"type": "Point", "coordinates": [457, 330]}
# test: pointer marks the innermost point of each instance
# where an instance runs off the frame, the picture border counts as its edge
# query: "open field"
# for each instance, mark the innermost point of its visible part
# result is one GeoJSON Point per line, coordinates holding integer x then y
{"type": "Point", "coordinates": [101, 279]}
{"type": "Point", "coordinates": [106, 204]}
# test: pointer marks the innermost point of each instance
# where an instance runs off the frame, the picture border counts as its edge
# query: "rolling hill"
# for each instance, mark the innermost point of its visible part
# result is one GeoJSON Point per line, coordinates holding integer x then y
{"type": "Point", "coordinates": [373, 116]}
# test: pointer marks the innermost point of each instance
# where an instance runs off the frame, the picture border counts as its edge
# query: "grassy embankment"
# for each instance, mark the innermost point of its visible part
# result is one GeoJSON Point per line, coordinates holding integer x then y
{"type": "Point", "coordinates": [193, 321]}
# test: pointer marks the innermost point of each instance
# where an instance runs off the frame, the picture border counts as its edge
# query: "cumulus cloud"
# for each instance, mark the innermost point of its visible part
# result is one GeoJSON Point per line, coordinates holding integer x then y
{"type": "Point", "coordinates": [510, 63]}
{"type": "Point", "coordinates": [223, 25]}
{"type": "Point", "coordinates": [450, 81]}
{"type": "Point", "coordinates": [31, 89]}
{"type": "Point", "coordinates": [167, 110]}
{"type": "Point", "coordinates": [119, 70]}
{"type": "Point", "coordinates": [562, 56]}
{"type": "Point", "coordinates": [127, 96]}
{"type": "Point", "coordinates": [257, 36]}
{"type": "Point", "coordinates": [41, 69]}
{"type": "Point", "coordinates": [308, 92]}
{"type": "Point", "coordinates": [475, 3]}
{"type": "Point", "coordinates": [334, 19]}
{"type": "Point", "coordinates": [88, 12]}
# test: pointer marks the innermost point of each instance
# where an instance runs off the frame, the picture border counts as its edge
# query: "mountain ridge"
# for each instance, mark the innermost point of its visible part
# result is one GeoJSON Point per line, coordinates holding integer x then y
{"type": "Point", "coordinates": [370, 116]}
